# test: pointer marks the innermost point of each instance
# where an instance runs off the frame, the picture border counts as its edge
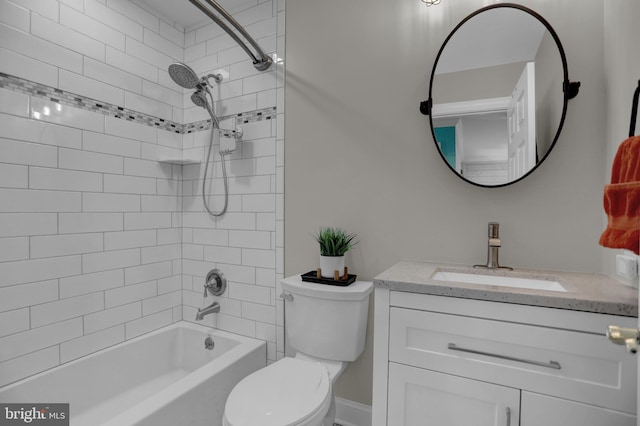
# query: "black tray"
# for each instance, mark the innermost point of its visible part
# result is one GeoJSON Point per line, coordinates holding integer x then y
{"type": "Point", "coordinates": [312, 277]}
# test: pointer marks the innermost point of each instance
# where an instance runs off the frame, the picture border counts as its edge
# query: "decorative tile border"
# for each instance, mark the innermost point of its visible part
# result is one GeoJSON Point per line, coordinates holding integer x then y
{"type": "Point", "coordinates": [63, 97]}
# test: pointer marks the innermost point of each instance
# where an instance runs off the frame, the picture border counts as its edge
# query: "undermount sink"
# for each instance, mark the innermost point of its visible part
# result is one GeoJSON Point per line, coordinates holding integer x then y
{"type": "Point", "coordinates": [499, 280]}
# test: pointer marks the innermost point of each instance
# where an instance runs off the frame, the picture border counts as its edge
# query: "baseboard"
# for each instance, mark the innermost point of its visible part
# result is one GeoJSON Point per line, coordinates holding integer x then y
{"type": "Point", "coordinates": [349, 413]}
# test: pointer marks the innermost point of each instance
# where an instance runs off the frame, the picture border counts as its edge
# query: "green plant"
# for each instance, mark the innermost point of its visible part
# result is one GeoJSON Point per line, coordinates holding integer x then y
{"type": "Point", "coordinates": [334, 241]}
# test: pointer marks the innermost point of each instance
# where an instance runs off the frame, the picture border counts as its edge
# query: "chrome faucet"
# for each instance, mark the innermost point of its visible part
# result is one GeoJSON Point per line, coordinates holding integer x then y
{"type": "Point", "coordinates": [211, 309]}
{"type": "Point", "coordinates": [493, 246]}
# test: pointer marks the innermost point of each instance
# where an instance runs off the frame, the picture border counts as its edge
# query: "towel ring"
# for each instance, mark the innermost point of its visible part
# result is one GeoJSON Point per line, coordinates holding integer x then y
{"type": "Point", "coordinates": [634, 111]}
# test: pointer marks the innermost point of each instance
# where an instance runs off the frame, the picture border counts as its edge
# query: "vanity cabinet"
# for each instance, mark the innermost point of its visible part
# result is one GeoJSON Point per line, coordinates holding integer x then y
{"type": "Point", "coordinates": [450, 361]}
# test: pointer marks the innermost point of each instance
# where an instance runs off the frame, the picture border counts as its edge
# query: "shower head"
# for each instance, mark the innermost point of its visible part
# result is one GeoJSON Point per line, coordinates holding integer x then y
{"type": "Point", "coordinates": [199, 98]}
{"type": "Point", "coordinates": [184, 76]}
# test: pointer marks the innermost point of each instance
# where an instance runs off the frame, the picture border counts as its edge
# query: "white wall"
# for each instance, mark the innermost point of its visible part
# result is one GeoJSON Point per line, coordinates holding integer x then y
{"type": "Point", "coordinates": [356, 73]}
{"type": "Point", "coordinates": [91, 224]}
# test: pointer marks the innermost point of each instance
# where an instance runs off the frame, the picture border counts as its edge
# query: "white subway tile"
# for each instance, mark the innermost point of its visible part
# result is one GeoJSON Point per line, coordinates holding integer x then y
{"type": "Point", "coordinates": [66, 37]}
{"type": "Point", "coordinates": [193, 251]}
{"type": "Point", "coordinates": [91, 88]}
{"type": "Point", "coordinates": [136, 13]}
{"type": "Point", "coordinates": [170, 96]}
{"type": "Point", "coordinates": [159, 203]}
{"type": "Point", "coordinates": [14, 249]}
{"type": "Point", "coordinates": [107, 144]}
{"type": "Point", "coordinates": [258, 258]}
{"type": "Point", "coordinates": [161, 44]}
{"type": "Point", "coordinates": [149, 323]}
{"type": "Point", "coordinates": [58, 179]}
{"type": "Point", "coordinates": [25, 295]}
{"type": "Point", "coordinates": [147, 54]}
{"type": "Point", "coordinates": [129, 129]}
{"type": "Point", "coordinates": [48, 9]}
{"type": "Point", "coordinates": [172, 34]}
{"type": "Point", "coordinates": [230, 255]}
{"type": "Point", "coordinates": [136, 167]}
{"type": "Point", "coordinates": [14, 321]}
{"type": "Point", "coordinates": [259, 203]}
{"type": "Point", "coordinates": [231, 220]}
{"type": "Point", "coordinates": [169, 284]}
{"type": "Point", "coordinates": [38, 338]}
{"type": "Point", "coordinates": [146, 220]}
{"type": "Point", "coordinates": [105, 261]}
{"type": "Point", "coordinates": [129, 239]}
{"type": "Point", "coordinates": [130, 64]}
{"type": "Point", "coordinates": [161, 253]}
{"type": "Point", "coordinates": [111, 75]}
{"type": "Point", "coordinates": [261, 313]}
{"type": "Point", "coordinates": [76, 4]}
{"type": "Point", "coordinates": [27, 201]}
{"type": "Point", "coordinates": [238, 273]}
{"type": "Point", "coordinates": [89, 161]}
{"type": "Point", "coordinates": [168, 186]}
{"type": "Point", "coordinates": [24, 224]}
{"type": "Point", "coordinates": [267, 99]}
{"type": "Point", "coordinates": [236, 325]}
{"type": "Point", "coordinates": [153, 271]}
{"type": "Point", "coordinates": [149, 106]}
{"type": "Point", "coordinates": [161, 303]}
{"type": "Point", "coordinates": [229, 56]}
{"type": "Point", "coordinates": [63, 245]}
{"type": "Point", "coordinates": [169, 236]}
{"type": "Point", "coordinates": [250, 293]}
{"type": "Point", "coordinates": [250, 239]}
{"type": "Point", "coordinates": [90, 343]}
{"type": "Point", "coordinates": [266, 277]}
{"type": "Point", "coordinates": [22, 66]}
{"type": "Point", "coordinates": [196, 267]}
{"type": "Point", "coordinates": [24, 129]}
{"type": "Point", "coordinates": [26, 271]}
{"type": "Point", "coordinates": [90, 283]}
{"type": "Point", "coordinates": [100, 202]}
{"type": "Point", "coordinates": [91, 27]}
{"type": "Point", "coordinates": [53, 112]}
{"type": "Point", "coordinates": [72, 223]}
{"type": "Point", "coordinates": [29, 364]}
{"type": "Point", "coordinates": [112, 317]}
{"type": "Point", "coordinates": [266, 221]}
{"type": "Point", "coordinates": [14, 103]}
{"type": "Point", "coordinates": [266, 165]}
{"type": "Point", "coordinates": [114, 19]}
{"type": "Point", "coordinates": [219, 237]}
{"type": "Point", "coordinates": [129, 184]}
{"type": "Point", "coordinates": [52, 312]}
{"type": "Point", "coordinates": [130, 293]}
{"type": "Point", "coordinates": [13, 176]}
{"type": "Point", "coordinates": [195, 51]}
{"type": "Point", "coordinates": [266, 332]}
{"type": "Point", "coordinates": [14, 15]}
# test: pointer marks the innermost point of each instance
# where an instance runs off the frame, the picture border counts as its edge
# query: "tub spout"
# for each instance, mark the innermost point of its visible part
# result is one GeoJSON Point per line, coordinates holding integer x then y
{"type": "Point", "coordinates": [211, 309]}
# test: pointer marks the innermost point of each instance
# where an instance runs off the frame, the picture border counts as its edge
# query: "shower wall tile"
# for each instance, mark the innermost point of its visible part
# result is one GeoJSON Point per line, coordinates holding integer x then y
{"type": "Point", "coordinates": [96, 238]}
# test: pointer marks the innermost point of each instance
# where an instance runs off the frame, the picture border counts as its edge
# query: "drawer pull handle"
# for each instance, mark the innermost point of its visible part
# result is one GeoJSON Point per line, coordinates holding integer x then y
{"type": "Point", "coordinates": [551, 364]}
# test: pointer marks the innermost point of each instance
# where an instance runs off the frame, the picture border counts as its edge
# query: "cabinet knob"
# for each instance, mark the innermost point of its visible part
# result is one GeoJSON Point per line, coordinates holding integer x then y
{"type": "Point", "coordinates": [624, 336]}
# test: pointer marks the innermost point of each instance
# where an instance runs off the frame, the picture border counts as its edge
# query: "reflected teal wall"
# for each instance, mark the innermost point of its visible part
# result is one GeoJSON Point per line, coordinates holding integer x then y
{"type": "Point", "coordinates": [446, 137]}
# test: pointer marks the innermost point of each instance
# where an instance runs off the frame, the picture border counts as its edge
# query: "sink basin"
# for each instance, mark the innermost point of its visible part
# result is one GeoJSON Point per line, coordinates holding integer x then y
{"type": "Point", "coordinates": [497, 280]}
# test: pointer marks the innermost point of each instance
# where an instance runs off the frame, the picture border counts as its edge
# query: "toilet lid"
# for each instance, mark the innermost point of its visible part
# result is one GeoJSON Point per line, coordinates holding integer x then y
{"type": "Point", "coordinates": [287, 392]}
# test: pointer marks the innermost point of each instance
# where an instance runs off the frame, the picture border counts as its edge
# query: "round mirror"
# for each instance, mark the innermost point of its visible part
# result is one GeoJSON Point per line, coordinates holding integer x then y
{"type": "Point", "coordinates": [498, 95]}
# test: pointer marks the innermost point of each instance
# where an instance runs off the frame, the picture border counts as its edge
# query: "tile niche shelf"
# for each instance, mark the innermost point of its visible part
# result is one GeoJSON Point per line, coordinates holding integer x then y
{"type": "Point", "coordinates": [178, 160]}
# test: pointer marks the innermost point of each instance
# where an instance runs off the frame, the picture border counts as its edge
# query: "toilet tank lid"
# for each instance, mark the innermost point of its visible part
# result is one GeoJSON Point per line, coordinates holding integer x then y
{"type": "Point", "coordinates": [358, 290]}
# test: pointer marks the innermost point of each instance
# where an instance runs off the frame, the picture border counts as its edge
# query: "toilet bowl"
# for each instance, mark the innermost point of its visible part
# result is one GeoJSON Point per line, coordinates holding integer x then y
{"type": "Point", "coordinates": [326, 325]}
{"type": "Point", "coordinates": [288, 392]}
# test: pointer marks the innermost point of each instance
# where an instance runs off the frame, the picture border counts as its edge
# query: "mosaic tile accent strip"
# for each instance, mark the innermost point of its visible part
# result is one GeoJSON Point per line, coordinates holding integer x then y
{"type": "Point", "coordinates": [63, 97]}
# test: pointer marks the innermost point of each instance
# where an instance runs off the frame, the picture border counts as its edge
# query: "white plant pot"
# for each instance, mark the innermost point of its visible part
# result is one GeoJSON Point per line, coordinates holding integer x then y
{"type": "Point", "coordinates": [330, 264]}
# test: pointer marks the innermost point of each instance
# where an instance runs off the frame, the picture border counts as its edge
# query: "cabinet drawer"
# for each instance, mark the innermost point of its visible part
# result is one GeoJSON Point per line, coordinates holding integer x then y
{"type": "Point", "coordinates": [567, 364]}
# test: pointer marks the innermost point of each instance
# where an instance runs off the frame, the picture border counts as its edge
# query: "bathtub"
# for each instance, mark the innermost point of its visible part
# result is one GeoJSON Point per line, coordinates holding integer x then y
{"type": "Point", "coordinates": [166, 377]}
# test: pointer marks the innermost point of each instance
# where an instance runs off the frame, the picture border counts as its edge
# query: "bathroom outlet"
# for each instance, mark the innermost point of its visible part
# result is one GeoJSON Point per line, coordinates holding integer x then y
{"type": "Point", "coordinates": [627, 266]}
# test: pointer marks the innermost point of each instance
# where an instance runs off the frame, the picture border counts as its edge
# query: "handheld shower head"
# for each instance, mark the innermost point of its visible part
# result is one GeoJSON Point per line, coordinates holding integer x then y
{"type": "Point", "coordinates": [199, 97]}
{"type": "Point", "coordinates": [183, 75]}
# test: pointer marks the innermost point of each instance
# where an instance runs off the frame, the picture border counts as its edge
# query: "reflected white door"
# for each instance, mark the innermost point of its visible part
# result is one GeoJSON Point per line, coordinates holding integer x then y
{"type": "Point", "coordinates": [521, 115]}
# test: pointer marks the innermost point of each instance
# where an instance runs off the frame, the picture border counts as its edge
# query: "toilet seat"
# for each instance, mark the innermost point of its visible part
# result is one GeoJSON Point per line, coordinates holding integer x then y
{"type": "Point", "coordinates": [286, 393]}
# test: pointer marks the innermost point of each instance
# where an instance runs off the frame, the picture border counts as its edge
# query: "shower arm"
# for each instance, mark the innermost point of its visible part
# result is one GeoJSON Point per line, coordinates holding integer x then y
{"type": "Point", "coordinates": [260, 64]}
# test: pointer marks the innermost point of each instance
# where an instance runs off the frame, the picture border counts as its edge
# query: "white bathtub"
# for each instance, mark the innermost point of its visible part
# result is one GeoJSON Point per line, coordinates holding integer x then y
{"type": "Point", "coordinates": [166, 377]}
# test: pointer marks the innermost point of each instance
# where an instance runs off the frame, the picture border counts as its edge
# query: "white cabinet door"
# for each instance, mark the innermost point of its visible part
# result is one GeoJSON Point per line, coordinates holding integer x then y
{"type": "Point", "coordinates": [420, 397]}
{"type": "Point", "coordinates": [542, 410]}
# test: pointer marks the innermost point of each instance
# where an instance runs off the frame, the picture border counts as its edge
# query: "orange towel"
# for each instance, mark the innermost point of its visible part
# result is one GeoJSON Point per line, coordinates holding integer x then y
{"type": "Point", "coordinates": [622, 199]}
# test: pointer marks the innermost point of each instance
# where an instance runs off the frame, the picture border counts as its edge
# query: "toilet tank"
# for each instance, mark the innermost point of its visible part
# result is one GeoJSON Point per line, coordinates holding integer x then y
{"type": "Point", "coordinates": [326, 321]}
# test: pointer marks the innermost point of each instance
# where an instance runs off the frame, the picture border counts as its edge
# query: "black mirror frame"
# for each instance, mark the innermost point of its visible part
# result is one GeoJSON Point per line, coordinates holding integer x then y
{"type": "Point", "coordinates": [570, 88]}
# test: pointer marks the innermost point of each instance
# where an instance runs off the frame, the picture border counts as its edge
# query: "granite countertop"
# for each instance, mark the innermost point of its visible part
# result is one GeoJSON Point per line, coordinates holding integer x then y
{"type": "Point", "coordinates": [585, 292]}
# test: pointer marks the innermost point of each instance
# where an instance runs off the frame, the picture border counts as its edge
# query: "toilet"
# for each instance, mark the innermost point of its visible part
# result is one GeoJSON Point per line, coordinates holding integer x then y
{"type": "Point", "coordinates": [326, 326]}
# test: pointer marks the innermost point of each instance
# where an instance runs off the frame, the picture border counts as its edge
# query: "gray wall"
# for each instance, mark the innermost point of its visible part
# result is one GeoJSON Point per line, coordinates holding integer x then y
{"type": "Point", "coordinates": [356, 73]}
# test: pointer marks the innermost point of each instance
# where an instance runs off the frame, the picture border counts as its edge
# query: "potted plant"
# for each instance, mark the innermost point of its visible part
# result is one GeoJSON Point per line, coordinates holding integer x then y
{"type": "Point", "coordinates": [334, 243]}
